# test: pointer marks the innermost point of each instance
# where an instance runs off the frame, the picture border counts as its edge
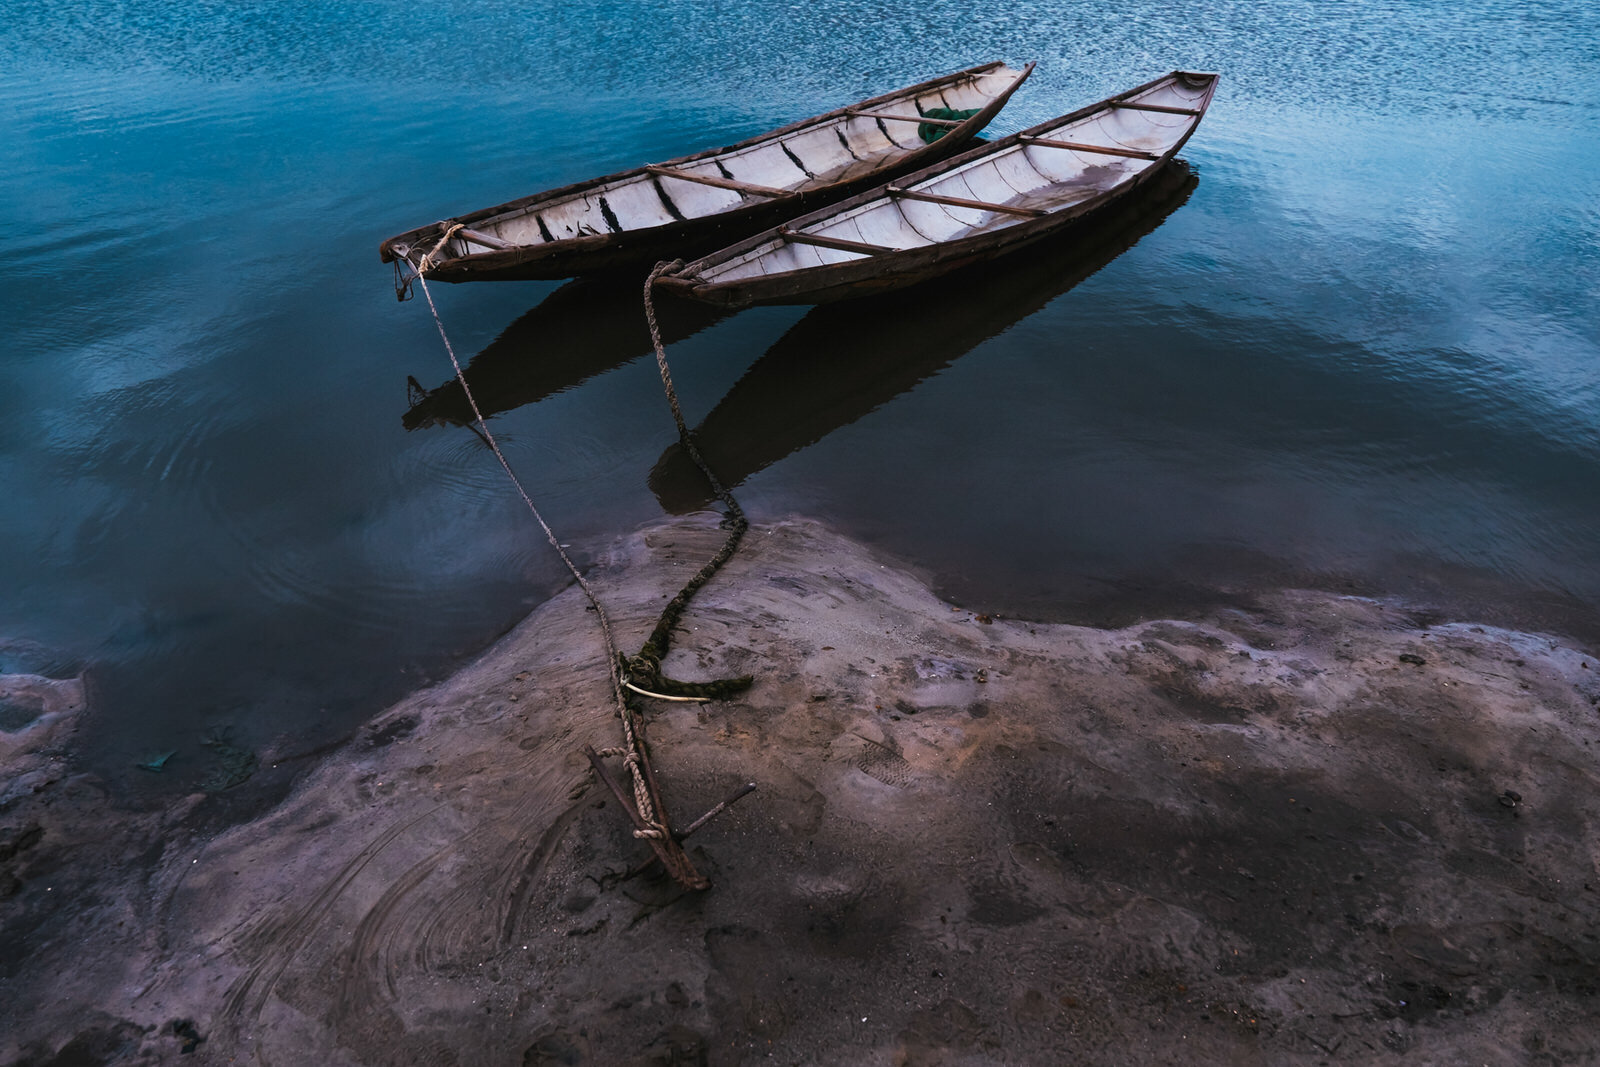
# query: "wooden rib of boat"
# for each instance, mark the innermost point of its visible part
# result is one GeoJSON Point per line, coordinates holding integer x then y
{"type": "Point", "coordinates": [699, 202]}
{"type": "Point", "coordinates": [984, 203]}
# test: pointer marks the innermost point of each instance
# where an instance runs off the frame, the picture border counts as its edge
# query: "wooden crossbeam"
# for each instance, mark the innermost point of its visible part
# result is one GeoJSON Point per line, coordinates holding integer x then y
{"type": "Point", "coordinates": [1108, 150]}
{"type": "Point", "coordinates": [838, 243]}
{"type": "Point", "coordinates": [484, 239]}
{"type": "Point", "coordinates": [1134, 105]}
{"type": "Point", "coordinates": [720, 183]}
{"type": "Point", "coordinates": [952, 123]}
{"type": "Point", "coordinates": [956, 201]}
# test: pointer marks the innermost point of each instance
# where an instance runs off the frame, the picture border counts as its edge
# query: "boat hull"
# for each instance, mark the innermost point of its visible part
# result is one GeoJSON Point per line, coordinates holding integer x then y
{"type": "Point", "coordinates": [549, 253]}
{"type": "Point", "coordinates": [848, 281]}
{"type": "Point", "coordinates": [886, 270]}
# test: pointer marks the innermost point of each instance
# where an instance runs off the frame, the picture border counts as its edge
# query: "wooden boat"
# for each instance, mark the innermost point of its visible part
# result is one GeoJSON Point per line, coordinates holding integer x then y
{"type": "Point", "coordinates": [979, 205]}
{"type": "Point", "coordinates": [700, 202]}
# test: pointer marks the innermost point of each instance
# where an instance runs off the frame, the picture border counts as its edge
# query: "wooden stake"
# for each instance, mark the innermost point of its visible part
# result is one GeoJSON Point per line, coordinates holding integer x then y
{"type": "Point", "coordinates": [667, 849]}
{"type": "Point", "coordinates": [732, 798]}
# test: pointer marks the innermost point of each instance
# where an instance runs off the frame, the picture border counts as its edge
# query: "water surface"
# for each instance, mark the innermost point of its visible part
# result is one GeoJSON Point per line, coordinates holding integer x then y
{"type": "Point", "coordinates": [1361, 351]}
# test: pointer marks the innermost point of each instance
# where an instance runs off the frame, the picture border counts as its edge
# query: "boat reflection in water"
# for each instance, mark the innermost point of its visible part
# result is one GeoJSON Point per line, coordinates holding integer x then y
{"type": "Point", "coordinates": [843, 361]}
{"type": "Point", "coordinates": [581, 330]}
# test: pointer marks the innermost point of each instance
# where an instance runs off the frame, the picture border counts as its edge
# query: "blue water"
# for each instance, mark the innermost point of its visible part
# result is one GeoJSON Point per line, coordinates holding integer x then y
{"type": "Point", "coordinates": [1361, 351]}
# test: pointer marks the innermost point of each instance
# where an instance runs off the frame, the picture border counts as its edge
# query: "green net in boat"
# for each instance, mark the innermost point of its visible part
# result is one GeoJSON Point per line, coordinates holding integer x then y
{"type": "Point", "coordinates": [931, 133]}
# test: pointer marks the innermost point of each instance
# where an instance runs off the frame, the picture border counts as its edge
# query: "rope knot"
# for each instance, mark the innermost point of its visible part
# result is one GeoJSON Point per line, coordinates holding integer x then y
{"type": "Point", "coordinates": [661, 268]}
{"type": "Point", "coordinates": [427, 262]}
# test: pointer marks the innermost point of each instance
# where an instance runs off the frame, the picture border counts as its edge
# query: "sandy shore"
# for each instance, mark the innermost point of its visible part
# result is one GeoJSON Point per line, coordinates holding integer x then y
{"type": "Point", "coordinates": [1323, 829]}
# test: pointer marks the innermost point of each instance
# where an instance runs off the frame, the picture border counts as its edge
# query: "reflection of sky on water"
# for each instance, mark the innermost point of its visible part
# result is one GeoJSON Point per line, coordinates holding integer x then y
{"type": "Point", "coordinates": [1365, 350]}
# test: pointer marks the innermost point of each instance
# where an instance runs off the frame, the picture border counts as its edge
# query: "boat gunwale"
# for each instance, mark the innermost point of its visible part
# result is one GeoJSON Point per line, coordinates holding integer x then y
{"type": "Point", "coordinates": [523, 253]}
{"type": "Point", "coordinates": [914, 263]}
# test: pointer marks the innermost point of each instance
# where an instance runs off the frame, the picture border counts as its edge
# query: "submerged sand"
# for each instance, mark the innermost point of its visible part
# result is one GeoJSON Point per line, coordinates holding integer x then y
{"type": "Point", "coordinates": [1318, 829]}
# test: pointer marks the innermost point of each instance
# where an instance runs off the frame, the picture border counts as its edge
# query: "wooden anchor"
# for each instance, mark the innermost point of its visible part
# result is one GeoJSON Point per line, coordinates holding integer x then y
{"type": "Point", "coordinates": [666, 847]}
{"type": "Point", "coordinates": [722, 806]}
{"type": "Point", "coordinates": [668, 850]}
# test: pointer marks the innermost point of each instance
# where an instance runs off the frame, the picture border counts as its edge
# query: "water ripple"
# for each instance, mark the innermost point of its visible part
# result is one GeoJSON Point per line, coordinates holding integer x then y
{"type": "Point", "coordinates": [1367, 346]}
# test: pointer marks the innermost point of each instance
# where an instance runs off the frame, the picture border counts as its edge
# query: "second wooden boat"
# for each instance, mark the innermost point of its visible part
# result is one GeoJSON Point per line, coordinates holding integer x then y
{"type": "Point", "coordinates": [984, 203]}
{"type": "Point", "coordinates": [694, 204]}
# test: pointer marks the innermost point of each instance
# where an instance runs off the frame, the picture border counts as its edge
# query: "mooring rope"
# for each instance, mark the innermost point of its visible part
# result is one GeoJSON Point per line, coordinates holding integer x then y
{"type": "Point", "coordinates": [630, 751]}
{"type": "Point", "coordinates": [646, 666]}
{"type": "Point", "coordinates": [402, 283]}
{"type": "Point", "coordinates": [427, 263]}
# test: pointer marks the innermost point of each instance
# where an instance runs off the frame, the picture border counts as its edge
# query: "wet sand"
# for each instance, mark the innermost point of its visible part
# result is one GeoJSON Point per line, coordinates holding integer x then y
{"type": "Point", "coordinates": [1305, 829]}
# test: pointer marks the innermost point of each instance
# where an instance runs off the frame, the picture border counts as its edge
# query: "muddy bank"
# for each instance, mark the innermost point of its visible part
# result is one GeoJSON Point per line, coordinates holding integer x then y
{"type": "Point", "coordinates": [1316, 829]}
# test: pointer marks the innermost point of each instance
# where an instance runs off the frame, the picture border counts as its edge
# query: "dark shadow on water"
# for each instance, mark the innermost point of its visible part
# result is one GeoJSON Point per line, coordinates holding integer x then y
{"type": "Point", "coordinates": [843, 361]}
{"type": "Point", "coordinates": [581, 330]}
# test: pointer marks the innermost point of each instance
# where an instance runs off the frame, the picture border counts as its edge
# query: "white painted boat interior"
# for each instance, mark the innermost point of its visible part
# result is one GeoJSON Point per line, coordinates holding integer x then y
{"type": "Point", "coordinates": [821, 153]}
{"type": "Point", "coordinates": [1035, 176]}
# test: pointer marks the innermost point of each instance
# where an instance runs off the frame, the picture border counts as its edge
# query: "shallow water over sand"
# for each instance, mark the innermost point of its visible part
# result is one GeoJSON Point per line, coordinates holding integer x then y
{"type": "Point", "coordinates": [1357, 349]}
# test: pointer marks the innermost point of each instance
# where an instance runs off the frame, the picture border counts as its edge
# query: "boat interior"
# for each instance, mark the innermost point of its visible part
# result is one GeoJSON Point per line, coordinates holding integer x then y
{"type": "Point", "coordinates": [1048, 169]}
{"type": "Point", "coordinates": [818, 154]}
